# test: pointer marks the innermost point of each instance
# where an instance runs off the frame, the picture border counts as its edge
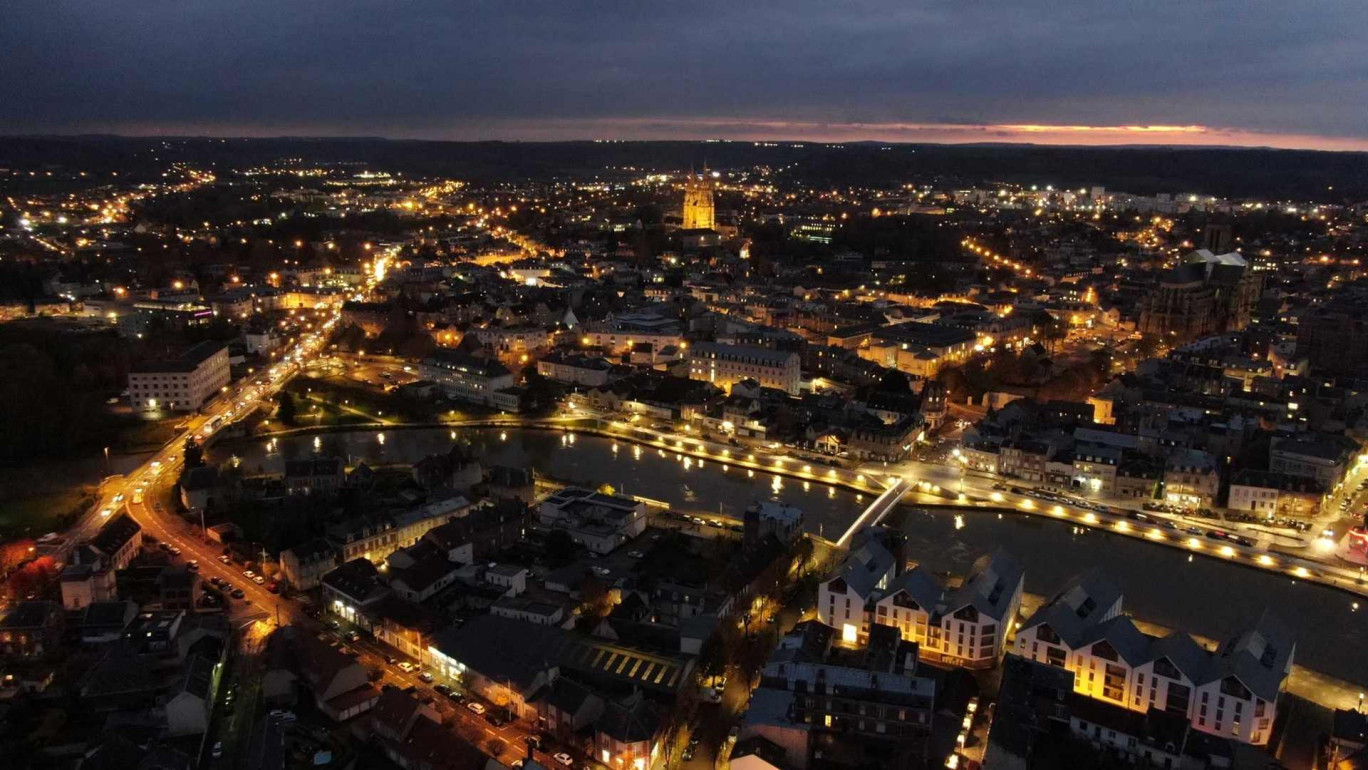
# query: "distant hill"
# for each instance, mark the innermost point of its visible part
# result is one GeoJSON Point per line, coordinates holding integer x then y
{"type": "Point", "coordinates": [1263, 173]}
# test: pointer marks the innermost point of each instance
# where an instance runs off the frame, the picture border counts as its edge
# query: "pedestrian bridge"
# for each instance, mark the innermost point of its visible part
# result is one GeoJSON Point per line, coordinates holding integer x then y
{"type": "Point", "coordinates": [877, 510]}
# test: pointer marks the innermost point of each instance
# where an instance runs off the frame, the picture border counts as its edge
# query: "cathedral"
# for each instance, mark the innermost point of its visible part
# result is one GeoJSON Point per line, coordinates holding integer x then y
{"type": "Point", "coordinates": [698, 203]}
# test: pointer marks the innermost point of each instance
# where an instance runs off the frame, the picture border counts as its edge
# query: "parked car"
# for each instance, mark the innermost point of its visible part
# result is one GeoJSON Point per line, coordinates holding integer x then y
{"type": "Point", "coordinates": [217, 751]}
{"type": "Point", "coordinates": [426, 676]}
{"type": "Point", "coordinates": [477, 708]}
{"type": "Point", "coordinates": [406, 667]}
{"type": "Point", "coordinates": [564, 759]}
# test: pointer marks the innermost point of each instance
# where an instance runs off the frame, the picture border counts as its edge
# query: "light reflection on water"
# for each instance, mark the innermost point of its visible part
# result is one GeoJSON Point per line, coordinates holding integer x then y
{"type": "Point", "coordinates": [1161, 584]}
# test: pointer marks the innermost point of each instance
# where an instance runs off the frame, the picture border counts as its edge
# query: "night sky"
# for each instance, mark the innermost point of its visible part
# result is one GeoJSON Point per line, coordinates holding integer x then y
{"type": "Point", "coordinates": [1289, 74]}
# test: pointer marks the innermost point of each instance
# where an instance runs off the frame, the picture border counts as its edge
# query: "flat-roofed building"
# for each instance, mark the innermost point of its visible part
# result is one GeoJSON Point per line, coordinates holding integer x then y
{"type": "Point", "coordinates": [465, 377]}
{"type": "Point", "coordinates": [180, 384]}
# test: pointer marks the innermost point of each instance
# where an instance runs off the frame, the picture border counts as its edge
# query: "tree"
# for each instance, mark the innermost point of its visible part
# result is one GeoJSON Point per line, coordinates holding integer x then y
{"type": "Point", "coordinates": [1147, 346]}
{"type": "Point", "coordinates": [194, 456]}
{"type": "Point", "coordinates": [285, 412]}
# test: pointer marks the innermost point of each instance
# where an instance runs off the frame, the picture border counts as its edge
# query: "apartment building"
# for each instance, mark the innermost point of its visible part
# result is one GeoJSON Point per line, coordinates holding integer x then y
{"type": "Point", "coordinates": [726, 365]}
{"type": "Point", "coordinates": [575, 369]}
{"type": "Point", "coordinates": [966, 625]}
{"type": "Point", "coordinates": [180, 384]}
{"type": "Point", "coordinates": [1276, 495]}
{"type": "Point", "coordinates": [868, 570]}
{"type": "Point", "coordinates": [813, 691]}
{"type": "Point", "coordinates": [465, 377]}
{"type": "Point", "coordinates": [1232, 692]}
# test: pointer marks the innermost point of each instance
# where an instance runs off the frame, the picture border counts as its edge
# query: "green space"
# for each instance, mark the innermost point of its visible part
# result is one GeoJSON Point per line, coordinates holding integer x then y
{"type": "Point", "coordinates": [35, 502]}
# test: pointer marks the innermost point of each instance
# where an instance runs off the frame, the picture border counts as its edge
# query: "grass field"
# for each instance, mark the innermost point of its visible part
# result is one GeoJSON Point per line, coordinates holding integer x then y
{"type": "Point", "coordinates": [35, 502]}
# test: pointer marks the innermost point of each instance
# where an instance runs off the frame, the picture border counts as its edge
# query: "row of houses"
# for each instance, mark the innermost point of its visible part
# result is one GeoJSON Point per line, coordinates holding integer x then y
{"type": "Point", "coordinates": [1232, 691]}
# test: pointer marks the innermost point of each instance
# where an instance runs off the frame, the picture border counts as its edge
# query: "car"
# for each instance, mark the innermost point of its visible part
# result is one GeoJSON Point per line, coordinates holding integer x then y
{"type": "Point", "coordinates": [688, 752]}
{"type": "Point", "coordinates": [390, 659]}
{"type": "Point", "coordinates": [444, 689]}
{"type": "Point", "coordinates": [175, 551]}
{"type": "Point", "coordinates": [405, 666]}
{"type": "Point", "coordinates": [217, 751]}
{"type": "Point", "coordinates": [426, 676]}
{"type": "Point", "coordinates": [216, 580]}
{"type": "Point", "coordinates": [238, 594]}
{"type": "Point", "coordinates": [224, 559]}
{"type": "Point", "coordinates": [564, 759]}
{"type": "Point", "coordinates": [192, 565]}
{"type": "Point", "coordinates": [248, 574]}
{"type": "Point", "coordinates": [476, 708]}
{"type": "Point", "coordinates": [496, 718]}
{"type": "Point", "coordinates": [106, 512]}
{"type": "Point", "coordinates": [259, 580]}
{"type": "Point", "coordinates": [635, 554]}
{"type": "Point", "coordinates": [601, 571]}
{"type": "Point", "coordinates": [353, 637]}
{"type": "Point", "coordinates": [119, 498]}
{"type": "Point", "coordinates": [273, 587]}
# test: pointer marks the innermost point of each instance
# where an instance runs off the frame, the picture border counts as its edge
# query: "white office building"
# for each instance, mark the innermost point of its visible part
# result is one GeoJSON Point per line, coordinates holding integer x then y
{"type": "Point", "coordinates": [180, 384]}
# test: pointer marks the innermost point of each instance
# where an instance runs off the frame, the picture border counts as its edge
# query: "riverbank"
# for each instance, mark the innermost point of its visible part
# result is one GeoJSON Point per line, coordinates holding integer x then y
{"type": "Point", "coordinates": [1157, 531]}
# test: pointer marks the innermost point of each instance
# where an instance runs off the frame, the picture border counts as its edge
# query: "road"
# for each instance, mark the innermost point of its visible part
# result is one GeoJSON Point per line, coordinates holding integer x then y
{"type": "Point", "coordinates": [154, 510]}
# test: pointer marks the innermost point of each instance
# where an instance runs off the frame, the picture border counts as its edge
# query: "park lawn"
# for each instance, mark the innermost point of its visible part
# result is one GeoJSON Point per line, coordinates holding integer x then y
{"type": "Point", "coordinates": [141, 435]}
{"type": "Point", "coordinates": [35, 504]}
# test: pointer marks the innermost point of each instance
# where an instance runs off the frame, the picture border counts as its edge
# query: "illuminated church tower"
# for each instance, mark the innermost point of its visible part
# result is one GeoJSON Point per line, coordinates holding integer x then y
{"type": "Point", "coordinates": [698, 202]}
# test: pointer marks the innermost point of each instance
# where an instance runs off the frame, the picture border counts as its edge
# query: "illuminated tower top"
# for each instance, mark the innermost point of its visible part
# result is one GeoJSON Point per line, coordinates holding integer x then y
{"type": "Point", "coordinates": [698, 202]}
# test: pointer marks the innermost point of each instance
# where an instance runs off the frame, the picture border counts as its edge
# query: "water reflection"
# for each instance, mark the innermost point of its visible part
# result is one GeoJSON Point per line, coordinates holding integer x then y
{"type": "Point", "coordinates": [1168, 586]}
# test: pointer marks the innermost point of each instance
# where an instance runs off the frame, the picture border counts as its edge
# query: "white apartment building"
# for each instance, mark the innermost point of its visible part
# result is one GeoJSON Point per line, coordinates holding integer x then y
{"type": "Point", "coordinates": [725, 365]}
{"type": "Point", "coordinates": [964, 626]}
{"type": "Point", "coordinates": [841, 601]}
{"type": "Point", "coordinates": [1232, 692]}
{"type": "Point", "coordinates": [180, 384]}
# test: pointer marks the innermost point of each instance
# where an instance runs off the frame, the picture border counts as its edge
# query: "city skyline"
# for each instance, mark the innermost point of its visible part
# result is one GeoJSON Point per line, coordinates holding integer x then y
{"type": "Point", "coordinates": [1171, 74]}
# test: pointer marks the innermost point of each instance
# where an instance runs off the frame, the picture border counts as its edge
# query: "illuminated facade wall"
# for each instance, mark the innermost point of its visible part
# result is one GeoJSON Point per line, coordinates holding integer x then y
{"type": "Point", "coordinates": [698, 205]}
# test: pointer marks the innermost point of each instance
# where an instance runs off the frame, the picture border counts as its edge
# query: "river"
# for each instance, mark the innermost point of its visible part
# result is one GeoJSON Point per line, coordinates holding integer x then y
{"type": "Point", "coordinates": [1162, 585]}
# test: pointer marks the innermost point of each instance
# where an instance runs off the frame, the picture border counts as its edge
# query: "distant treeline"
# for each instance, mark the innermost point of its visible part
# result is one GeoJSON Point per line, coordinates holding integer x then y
{"type": "Point", "coordinates": [1261, 173]}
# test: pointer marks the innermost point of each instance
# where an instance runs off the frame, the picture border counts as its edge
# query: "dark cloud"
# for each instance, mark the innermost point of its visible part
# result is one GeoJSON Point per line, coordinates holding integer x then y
{"type": "Point", "coordinates": [526, 68]}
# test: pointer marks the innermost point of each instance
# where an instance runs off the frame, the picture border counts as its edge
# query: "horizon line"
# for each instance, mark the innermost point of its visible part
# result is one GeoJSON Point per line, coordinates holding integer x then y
{"type": "Point", "coordinates": [788, 141]}
{"type": "Point", "coordinates": [753, 130]}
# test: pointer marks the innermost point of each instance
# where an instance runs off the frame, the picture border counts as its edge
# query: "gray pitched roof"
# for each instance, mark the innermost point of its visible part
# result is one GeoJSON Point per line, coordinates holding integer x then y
{"type": "Point", "coordinates": [989, 586]}
{"type": "Point", "coordinates": [1075, 608]}
{"type": "Point", "coordinates": [864, 566]}
{"type": "Point", "coordinates": [920, 585]}
{"type": "Point", "coordinates": [1120, 632]}
{"type": "Point", "coordinates": [1259, 657]}
{"type": "Point", "coordinates": [1185, 654]}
